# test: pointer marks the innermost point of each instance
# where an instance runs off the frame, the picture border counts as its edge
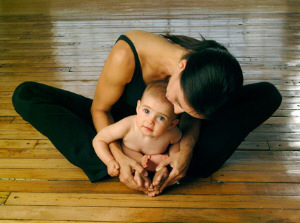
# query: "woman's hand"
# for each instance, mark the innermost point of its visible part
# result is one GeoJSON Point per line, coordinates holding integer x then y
{"type": "Point", "coordinates": [138, 181]}
{"type": "Point", "coordinates": [179, 162]}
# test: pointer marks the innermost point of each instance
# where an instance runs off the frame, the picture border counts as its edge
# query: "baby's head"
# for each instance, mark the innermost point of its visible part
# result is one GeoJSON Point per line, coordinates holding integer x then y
{"type": "Point", "coordinates": [155, 109]}
{"type": "Point", "coordinates": [157, 91]}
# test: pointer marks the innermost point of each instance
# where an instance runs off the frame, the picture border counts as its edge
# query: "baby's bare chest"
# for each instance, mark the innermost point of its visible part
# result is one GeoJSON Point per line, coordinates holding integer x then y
{"type": "Point", "coordinates": [146, 146]}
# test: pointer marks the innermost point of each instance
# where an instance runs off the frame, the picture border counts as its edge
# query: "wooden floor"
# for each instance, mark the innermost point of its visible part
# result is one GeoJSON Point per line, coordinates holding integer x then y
{"type": "Point", "coordinates": [65, 43]}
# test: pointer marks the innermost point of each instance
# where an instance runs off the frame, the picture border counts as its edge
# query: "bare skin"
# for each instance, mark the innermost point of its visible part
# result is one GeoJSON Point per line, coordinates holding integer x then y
{"type": "Point", "coordinates": [150, 162]}
{"type": "Point", "coordinates": [159, 59]}
{"type": "Point", "coordinates": [149, 132]}
{"type": "Point", "coordinates": [158, 180]}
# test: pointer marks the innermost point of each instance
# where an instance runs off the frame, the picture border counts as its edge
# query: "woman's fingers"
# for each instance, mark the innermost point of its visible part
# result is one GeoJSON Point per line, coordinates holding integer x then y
{"type": "Point", "coordinates": [136, 182]}
{"type": "Point", "coordinates": [138, 179]}
{"type": "Point", "coordinates": [127, 178]}
{"type": "Point", "coordinates": [174, 177]}
{"type": "Point", "coordinates": [117, 166]}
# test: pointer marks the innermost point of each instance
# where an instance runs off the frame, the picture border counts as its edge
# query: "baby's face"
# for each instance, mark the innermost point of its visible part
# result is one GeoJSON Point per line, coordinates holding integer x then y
{"type": "Point", "coordinates": [154, 117]}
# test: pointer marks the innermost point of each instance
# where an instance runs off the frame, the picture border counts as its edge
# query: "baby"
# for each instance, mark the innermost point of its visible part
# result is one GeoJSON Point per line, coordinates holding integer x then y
{"type": "Point", "coordinates": [145, 136]}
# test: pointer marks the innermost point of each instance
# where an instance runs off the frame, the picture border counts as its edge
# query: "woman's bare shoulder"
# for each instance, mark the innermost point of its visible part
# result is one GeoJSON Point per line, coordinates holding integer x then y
{"type": "Point", "coordinates": [139, 37]}
{"type": "Point", "coordinates": [139, 34]}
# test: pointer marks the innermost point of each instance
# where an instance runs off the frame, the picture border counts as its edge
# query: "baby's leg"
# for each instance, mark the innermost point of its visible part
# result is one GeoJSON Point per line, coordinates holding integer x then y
{"type": "Point", "coordinates": [150, 162]}
{"type": "Point", "coordinates": [137, 156]}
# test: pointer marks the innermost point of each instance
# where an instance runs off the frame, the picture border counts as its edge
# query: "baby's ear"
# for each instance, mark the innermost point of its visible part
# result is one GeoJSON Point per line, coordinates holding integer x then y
{"type": "Point", "coordinates": [137, 106]}
{"type": "Point", "coordinates": [174, 123]}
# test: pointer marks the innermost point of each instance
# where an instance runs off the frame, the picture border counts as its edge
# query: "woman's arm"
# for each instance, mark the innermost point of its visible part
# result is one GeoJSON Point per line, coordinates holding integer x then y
{"type": "Point", "coordinates": [180, 161]}
{"type": "Point", "coordinates": [117, 72]}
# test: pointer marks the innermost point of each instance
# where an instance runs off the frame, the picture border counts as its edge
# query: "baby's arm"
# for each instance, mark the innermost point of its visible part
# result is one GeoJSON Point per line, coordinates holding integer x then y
{"type": "Point", "coordinates": [106, 136]}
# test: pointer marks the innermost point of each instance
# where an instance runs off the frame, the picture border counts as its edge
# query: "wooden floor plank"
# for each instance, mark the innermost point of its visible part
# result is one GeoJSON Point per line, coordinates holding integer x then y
{"type": "Point", "coordinates": [26, 144]}
{"type": "Point", "coordinates": [166, 201]}
{"type": "Point", "coordinates": [3, 197]}
{"type": "Point", "coordinates": [43, 174]}
{"type": "Point", "coordinates": [36, 164]}
{"type": "Point", "coordinates": [20, 153]}
{"type": "Point", "coordinates": [146, 214]}
{"type": "Point", "coordinates": [190, 187]}
{"type": "Point", "coordinates": [292, 176]}
{"type": "Point", "coordinates": [37, 221]}
{"type": "Point", "coordinates": [65, 45]}
{"type": "Point", "coordinates": [282, 166]}
{"type": "Point", "coordinates": [285, 145]}
{"type": "Point", "coordinates": [266, 155]}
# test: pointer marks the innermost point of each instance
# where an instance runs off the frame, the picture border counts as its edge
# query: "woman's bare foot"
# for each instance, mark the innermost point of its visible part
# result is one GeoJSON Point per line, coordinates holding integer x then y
{"type": "Point", "coordinates": [150, 162]}
{"type": "Point", "coordinates": [158, 180]}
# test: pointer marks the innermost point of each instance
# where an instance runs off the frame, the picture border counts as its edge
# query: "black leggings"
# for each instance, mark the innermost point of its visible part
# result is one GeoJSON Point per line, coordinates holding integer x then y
{"type": "Point", "coordinates": [65, 118]}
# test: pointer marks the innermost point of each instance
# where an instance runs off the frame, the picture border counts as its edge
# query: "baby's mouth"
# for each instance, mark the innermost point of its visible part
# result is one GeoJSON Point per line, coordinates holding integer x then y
{"type": "Point", "coordinates": [148, 128]}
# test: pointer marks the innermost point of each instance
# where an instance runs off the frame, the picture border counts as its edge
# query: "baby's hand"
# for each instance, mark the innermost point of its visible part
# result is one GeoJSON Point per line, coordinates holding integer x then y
{"type": "Point", "coordinates": [113, 168]}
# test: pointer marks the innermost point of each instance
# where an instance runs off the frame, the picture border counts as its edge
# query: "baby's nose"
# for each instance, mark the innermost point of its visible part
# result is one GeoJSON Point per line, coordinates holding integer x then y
{"type": "Point", "coordinates": [150, 120]}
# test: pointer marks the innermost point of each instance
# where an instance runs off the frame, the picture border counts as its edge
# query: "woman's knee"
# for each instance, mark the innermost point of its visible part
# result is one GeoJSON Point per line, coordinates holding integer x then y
{"type": "Point", "coordinates": [23, 90]}
{"type": "Point", "coordinates": [22, 95]}
{"type": "Point", "coordinates": [272, 95]}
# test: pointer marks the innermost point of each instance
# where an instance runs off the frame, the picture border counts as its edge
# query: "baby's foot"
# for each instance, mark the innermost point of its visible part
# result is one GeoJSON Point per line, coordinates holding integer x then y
{"type": "Point", "coordinates": [144, 161]}
{"type": "Point", "coordinates": [158, 180]}
{"type": "Point", "coordinates": [150, 162]}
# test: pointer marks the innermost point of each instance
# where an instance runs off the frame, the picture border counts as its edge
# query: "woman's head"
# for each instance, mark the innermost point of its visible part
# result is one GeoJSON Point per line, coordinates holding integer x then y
{"type": "Point", "coordinates": [209, 78]}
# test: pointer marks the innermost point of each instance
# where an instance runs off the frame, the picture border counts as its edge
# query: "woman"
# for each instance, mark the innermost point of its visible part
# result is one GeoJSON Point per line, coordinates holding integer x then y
{"type": "Point", "coordinates": [205, 83]}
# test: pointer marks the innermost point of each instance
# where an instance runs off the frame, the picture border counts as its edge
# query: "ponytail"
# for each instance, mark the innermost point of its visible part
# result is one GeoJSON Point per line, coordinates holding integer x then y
{"type": "Point", "coordinates": [194, 44]}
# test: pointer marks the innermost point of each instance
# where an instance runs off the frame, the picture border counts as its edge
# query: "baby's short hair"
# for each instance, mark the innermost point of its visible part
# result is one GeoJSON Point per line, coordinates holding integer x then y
{"type": "Point", "coordinates": [157, 89]}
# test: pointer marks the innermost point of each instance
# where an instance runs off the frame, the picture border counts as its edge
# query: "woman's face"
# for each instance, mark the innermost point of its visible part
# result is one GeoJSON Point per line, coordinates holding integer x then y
{"type": "Point", "coordinates": [176, 96]}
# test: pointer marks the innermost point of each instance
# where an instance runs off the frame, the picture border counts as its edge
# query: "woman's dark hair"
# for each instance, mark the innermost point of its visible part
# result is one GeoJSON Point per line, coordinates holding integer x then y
{"type": "Point", "coordinates": [211, 77]}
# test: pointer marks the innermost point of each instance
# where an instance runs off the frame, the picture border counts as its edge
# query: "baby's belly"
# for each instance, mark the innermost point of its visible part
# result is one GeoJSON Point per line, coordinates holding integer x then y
{"type": "Point", "coordinates": [152, 150]}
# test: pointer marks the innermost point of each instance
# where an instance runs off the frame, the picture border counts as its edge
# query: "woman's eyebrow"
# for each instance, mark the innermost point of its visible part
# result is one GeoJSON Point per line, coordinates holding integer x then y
{"type": "Point", "coordinates": [176, 99]}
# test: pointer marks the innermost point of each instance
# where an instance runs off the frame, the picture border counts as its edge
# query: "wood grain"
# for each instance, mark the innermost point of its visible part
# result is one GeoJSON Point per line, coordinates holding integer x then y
{"type": "Point", "coordinates": [65, 44]}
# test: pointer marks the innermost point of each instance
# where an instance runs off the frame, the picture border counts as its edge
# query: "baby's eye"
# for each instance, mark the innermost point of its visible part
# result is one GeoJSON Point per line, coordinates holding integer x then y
{"type": "Point", "coordinates": [146, 111]}
{"type": "Point", "coordinates": [161, 118]}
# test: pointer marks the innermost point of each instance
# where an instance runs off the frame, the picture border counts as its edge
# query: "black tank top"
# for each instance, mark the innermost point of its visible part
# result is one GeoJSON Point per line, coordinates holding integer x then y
{"type": "Point", "coordinates": [134, 90]}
